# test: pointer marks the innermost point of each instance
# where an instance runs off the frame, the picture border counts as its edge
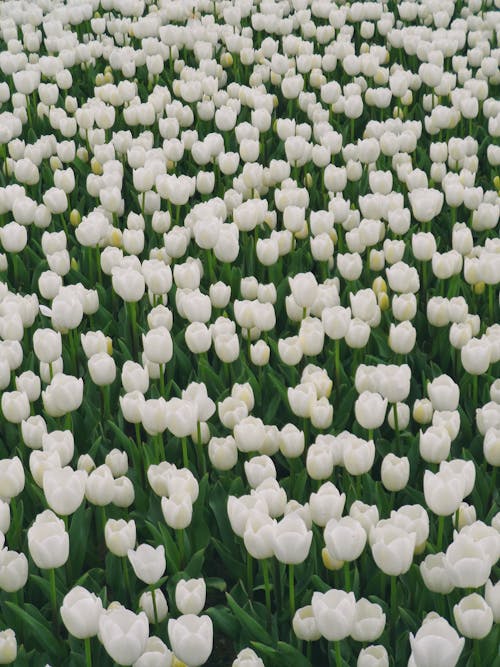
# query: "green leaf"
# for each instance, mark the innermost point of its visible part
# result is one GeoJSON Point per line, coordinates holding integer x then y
{"type": "Point", "coordinates": [42, 633]}
{"type": "Point", "coordinates": [224, 621]}
{"type": "Point", "coordinates": [251, 625]}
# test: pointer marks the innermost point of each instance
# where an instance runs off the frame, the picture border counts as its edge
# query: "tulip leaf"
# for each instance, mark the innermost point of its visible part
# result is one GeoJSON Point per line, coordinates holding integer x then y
{"type": "Point", "coordinates": [292, 656]}
{"type": "Point", "coordinates": [253, 627]}
{"type": "Point", "coordinates": [78, 536]}
{"type": "Point", "coordinates": [40, 628]}
{"type": "Point", "coordinates": [232, 564]}
{"type": "Point", "coordinates": [224, 621]}
{"type": "Point", "coordinates": [194, 566]}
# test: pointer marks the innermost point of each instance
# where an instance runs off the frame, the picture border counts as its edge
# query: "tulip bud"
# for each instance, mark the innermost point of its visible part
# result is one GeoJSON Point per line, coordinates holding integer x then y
{"type": "Point", "coordinates": [146, 605]}
{"type": "Point", "coordinates": [191, 638]}
{"type": "Point", "coordinates": [8, 646]}
{"type": "Point", "coordinates": [80, 612]}
{"type": "Point", "coordinates": [190, 595]}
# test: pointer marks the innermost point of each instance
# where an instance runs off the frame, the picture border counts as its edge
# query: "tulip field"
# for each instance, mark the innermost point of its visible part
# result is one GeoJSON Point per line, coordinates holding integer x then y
{"type": "Point", "coordinates": [249, 333]}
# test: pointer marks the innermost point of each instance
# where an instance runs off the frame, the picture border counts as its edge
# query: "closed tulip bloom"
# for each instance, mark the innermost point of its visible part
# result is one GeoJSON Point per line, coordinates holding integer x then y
{"type": "Point", "coordinates": [191, 638]}
{"type": "Point", "coordinates": [328, 503]}
{"type": "Point", "coordinates": [373, 656]}
{"type": "Point", "coordinates": [292, 540]}
{"type": "Point", "coordinates": [64, 394]}
{"type": "Point", "coordinates": [402, 337]}
{"type": "Point", "coordinates": [435, 574]}
{"type": "Point", "coordinates": [370, 409]}
{"type": "Point", "coordinates": [444, 393]}
{"type": "Point", "coordinates": [80, 612]}
{"type": "Point", "coordinates": [239, 510]}
{"type": "Point", "coordinates": [302, 398]}
{"type": "Point", "coordinates": [443, 492]}
{"type": "Point", "coordinates": [258, 535]}
{"type": "Point", "coordinates": [13, 571]}
{"type": "Point", "coordinates": [4, 516]}
{"type": "Point", "coordinates": [61, 442]}
{"type": "Point", "coordinates": [434, 444]}
{"type": "Point", "coordinates": [15, 406]}
{"type": "Point", "coordinates": [258, 469]}
{"type": "Point", "coordinates": [146, 605]}
{"type": "Point", "coordinates": [120, 536]}
{"type": "Point", "coordinates": [491, 446]}
{"type": "Point", "coordinates": [156, 652]}
{"type": "Point", "coordinates": [357, 334]}
{"type": "Point", "coordinates": [158, 345]}
{"type": "Point", "coordinates": [304, 287]}
{"type": "Point", "coordinates": [12, 478]}
{"type": "Point", "coordinates": [334, 612]}
{"type": "Point", "coordinates": [395, 472]}
{"type": "Point", "coordinates": [473, 617]}
{"type": "Point", "coordinates": [476, 356]}
{"type": "Point", "coordinates": [99, 486]}
{"type": "Point", "coordinates": [181, 417]}
{"type": "Point", "coordinates": [177, 511]}
{"type": "Point", "coordinates": [436, 639]}
{"type": "Point", "coordinates": [336, 321]}
{"type": "Point", "coordinates": [345, 538]}
{"type": "Point", "coordinates": [149, 563]}
{"type": "Point", "coordinates": [129, 284]}
{"type": "Point", "coordinates": [190, 595]}
{"type": "Point", "coordinates": [8, 646]}
{"type": "Point", "coordinates": [64, 489]}
{"type": "Point", "coordinates": [392, 548]}
{"type": "Point", "coordinates": [492, 596]}
{"type": "Point", "coordinates": [359, 455]}
{"type": "Point", "coordinates": [467, 564]}
{"type": "Point", "coordinates": [48, 541]}
{"type": "Point", "coordinates": [102, 369]}
{"type": "Point", "coordinates": [305, 625]}
{"type": "Point", "coordinates": [369, 621]}
{"type": "Point", "coordinates": [123, 634]}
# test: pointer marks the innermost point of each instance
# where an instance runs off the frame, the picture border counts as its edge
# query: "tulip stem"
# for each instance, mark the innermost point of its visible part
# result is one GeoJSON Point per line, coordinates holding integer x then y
{"type": "Point", "coordinates": [396, 422]}
{"type": "Point", "coordinates": [88, 652]}
{"type": "Point", "coordinates": [185, 458]}
{"type": "Point", "coordinates": [440, 533]}
{"type": "Point", "coordinates": [162, 380]}
{"type": "Point", "coordinates": [155, 608]}
{"type": "Point", "coordinates": [475, 383]}
{"type": "Point", "coordinates": [249, 576]}
{"type": "Point", "coordinates": [267, 587]}
{"type": "Point", "coordinates": [180, 545]}
{"type": "Point", "coordinates": [477, 652]}
{"type": "Point", "coordinates": [132, 312]}
{"type": "Point", "coordinates": [338, 653]}
{"type": "Point", "coordinates": [337, 366]}
{"type": "Point", "coordinates": [126, 577]}
{"type": "Point", "coordinates": [53, 594]}
{"type": "Point", "coordinates": [394, 605]}
{"type": "Point", "coordinates": [291, 588]}
{"type": "Point", "coordinates": [199, 450]}
{"type": "Point", "coordinates": [347, 576]}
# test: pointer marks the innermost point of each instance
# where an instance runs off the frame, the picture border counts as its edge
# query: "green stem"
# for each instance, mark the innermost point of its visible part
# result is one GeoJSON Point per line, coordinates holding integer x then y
{"type": "Point", "coordinates": [291, 588]}
{"type": "Point", "coordinates": [155, 608]}
{"type": "Point", "coordinates": [132, 311]}
{"type": "Point", "coordinates": [88, 652]}
{"type": "Point", "coordinates": [337, 365]}
{"type": "Point", "coordinates": [440, 533]}
{"type": "Point", "coordinates": [394, 605]}
{"type": "Point", "coordinates": [338, 653]}
{"type": "Point", "coordinates": [53, 594]}
{"type": "Point", "coordinates": [475, 391]}
{"type": "Point", "coordinates": [396, 422]}
{"type": "Point", "coordinates": [126, 578]}
{"type": "Point", "coordinates": [477, 652]}
{"type": "Point", "coordinates": [162, 380]}
{"type": "Point", "coordinates": [267, 587]}
{"type": "Point", "coordinates": [185, 458]}
{"type": "Point", "coordinates": [249, 576]}
{"type": "Point", "coordinates": [199, 450]}
{"type": "Point", "coordinates": [180, 544]}
{"type": "Point", "coordinates": [347, 575]}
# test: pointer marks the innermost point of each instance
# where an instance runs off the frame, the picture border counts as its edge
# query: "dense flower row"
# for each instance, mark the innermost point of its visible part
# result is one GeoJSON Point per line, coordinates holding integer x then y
{"type": "Point", "coordinates": [249, 338]}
